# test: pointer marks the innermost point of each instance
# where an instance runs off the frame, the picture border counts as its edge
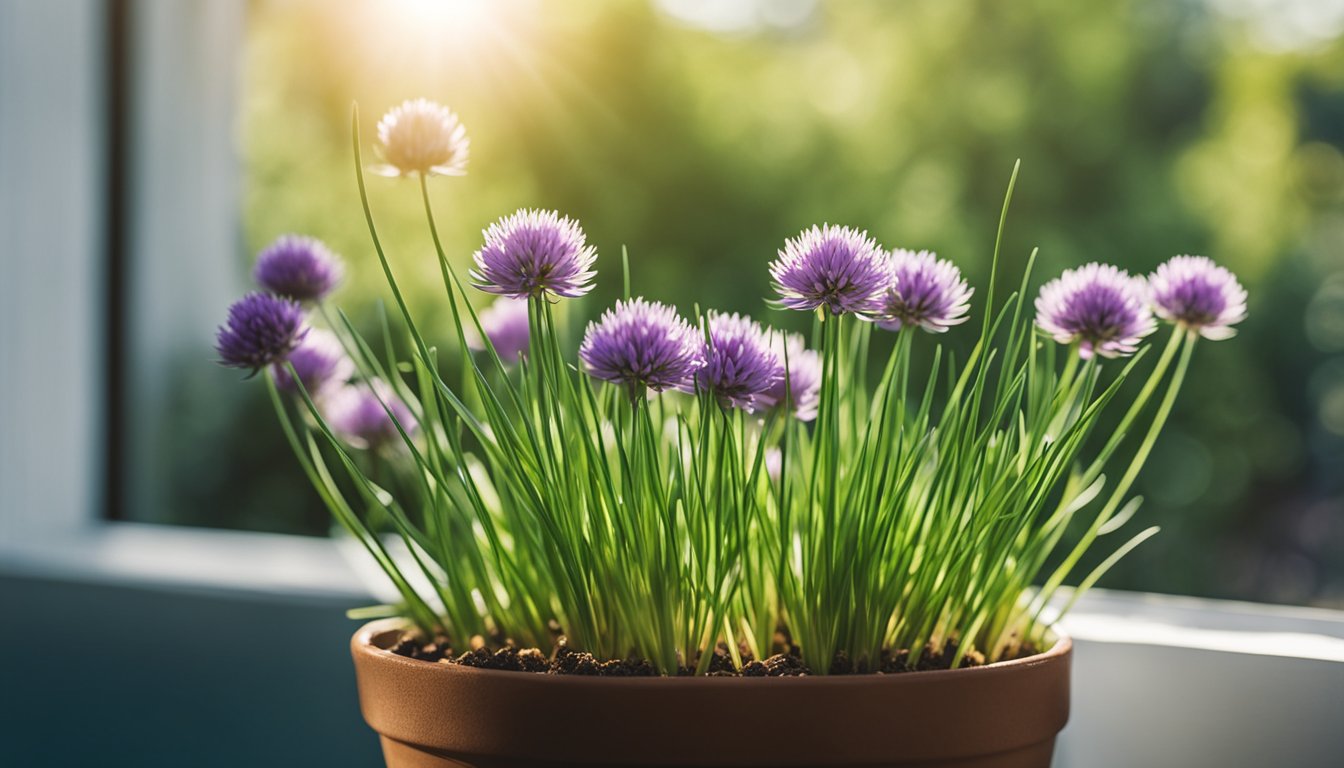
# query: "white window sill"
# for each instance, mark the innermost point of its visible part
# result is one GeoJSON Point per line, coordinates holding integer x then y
{"type": "Point", "coordinates": [167, 557]}
{"type": "Point", "coordinates": [1225, 626]}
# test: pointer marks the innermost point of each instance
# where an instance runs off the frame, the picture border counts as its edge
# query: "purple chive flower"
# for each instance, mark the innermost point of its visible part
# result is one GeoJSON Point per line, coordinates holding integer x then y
{"type": "Point", "coordinates": [534, 252]}
{"type": "Point", "coordinates": [803, 379]}
{"type": "Point", "coordinates": [741, 366]}
{"type": "Point", "coordinates": [926, 292]}
{"type": "Point", "coordinates": [301, 268]}
{"type": "Point", "coordinates": [319, 360]}
{"type": "Point", "coordinates": [505, 324]}
{"type": "Point", "coordinates": [1195, 292]}
{"type": "Point", "coordinates": [642, 344]}
{"type": "Point", "coordinates": [838, 268]}
{"type": "Point", "coordinates": [421, 136]}
{"type": "Point", "coordinates": [262, 329]}
{"type": "Point", "coordinates": [355, 412]}
{"type": "Point", "coordinates": [1101, 307]}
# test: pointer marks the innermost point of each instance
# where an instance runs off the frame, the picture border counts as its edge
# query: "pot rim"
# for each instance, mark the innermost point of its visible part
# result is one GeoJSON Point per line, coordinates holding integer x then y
{"type": "Point", "coordinates": [365, 643]}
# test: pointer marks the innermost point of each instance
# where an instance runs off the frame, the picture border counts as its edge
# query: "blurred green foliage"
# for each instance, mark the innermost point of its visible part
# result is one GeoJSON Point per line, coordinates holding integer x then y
{"type": "Point", "coordinates": [702, 134]}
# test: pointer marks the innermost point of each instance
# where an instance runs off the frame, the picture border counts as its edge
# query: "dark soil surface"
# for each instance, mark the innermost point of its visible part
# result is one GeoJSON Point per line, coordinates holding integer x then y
{"type": "Point", "coordinates": [567, 661]}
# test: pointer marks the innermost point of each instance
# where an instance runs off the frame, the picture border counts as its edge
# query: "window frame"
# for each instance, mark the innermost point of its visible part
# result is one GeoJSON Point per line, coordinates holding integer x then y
{"type": "Point", "coordinates": [101, 154]}
{"type": "Point", "coordinates": [50, 302]}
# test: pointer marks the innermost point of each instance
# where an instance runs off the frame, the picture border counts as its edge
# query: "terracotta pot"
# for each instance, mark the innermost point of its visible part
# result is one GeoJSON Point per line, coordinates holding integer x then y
{"type": "Point", "coordinates": [1003, 715]}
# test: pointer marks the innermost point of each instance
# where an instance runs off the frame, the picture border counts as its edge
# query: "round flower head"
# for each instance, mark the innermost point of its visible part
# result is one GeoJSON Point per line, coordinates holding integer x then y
{"type": "Point", "coordinates": [926, 292]}
{"type": "Point", "coordinates": [299, 267]}
{"type": "Point", "coordinates": [319, 360]}
{"type": "Point", "coordinates": [1101, 307]}
{"type": "Point", "coordinates": [355, 412]}
{"type": "Point", "coordinates": [838, 268]}
{"type": "Point", "coordinates": [800, 388]}
{"type": "Point", "coordinates": [262, 329]}
{"type": "Point", "coordinates": [421, 136]}
{"type": "Point", "coordinates": [531, 253]}
{"type": "Point", "coordinates": [741, 366]}
{"type": "Point", "coordinates": [505, 324]}
{"type": "Point", "coordinates": [1195, 292]}
{"type": "Point", "coordinates": [641, 344]}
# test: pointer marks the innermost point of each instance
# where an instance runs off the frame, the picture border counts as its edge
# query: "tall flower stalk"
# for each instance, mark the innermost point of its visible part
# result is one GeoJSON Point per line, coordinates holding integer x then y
{"type": "Point", "coordinates": [679, 483]}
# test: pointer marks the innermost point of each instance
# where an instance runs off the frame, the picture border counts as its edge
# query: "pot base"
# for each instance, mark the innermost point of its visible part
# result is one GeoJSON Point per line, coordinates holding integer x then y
{"type": "Point", "coordinates": [399, 755]}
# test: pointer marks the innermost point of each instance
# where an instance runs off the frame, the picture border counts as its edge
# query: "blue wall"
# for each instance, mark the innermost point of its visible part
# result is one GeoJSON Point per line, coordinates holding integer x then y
{"type": "Point", "coordinates": [96, 675]}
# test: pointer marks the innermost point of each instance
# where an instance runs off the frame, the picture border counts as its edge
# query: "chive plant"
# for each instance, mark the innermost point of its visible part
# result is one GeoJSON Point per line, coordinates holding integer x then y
{"type": "Point", "coordinates": [678, 483]}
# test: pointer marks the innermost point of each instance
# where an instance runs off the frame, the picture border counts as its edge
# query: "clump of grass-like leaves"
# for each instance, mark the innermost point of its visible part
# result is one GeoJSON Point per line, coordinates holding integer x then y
{"type": "Point", "coordinates": [675, 483]}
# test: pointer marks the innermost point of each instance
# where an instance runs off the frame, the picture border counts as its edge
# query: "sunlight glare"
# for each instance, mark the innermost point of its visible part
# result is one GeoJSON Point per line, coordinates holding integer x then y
{"type": "Point", "coordinates": [458, 23]}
